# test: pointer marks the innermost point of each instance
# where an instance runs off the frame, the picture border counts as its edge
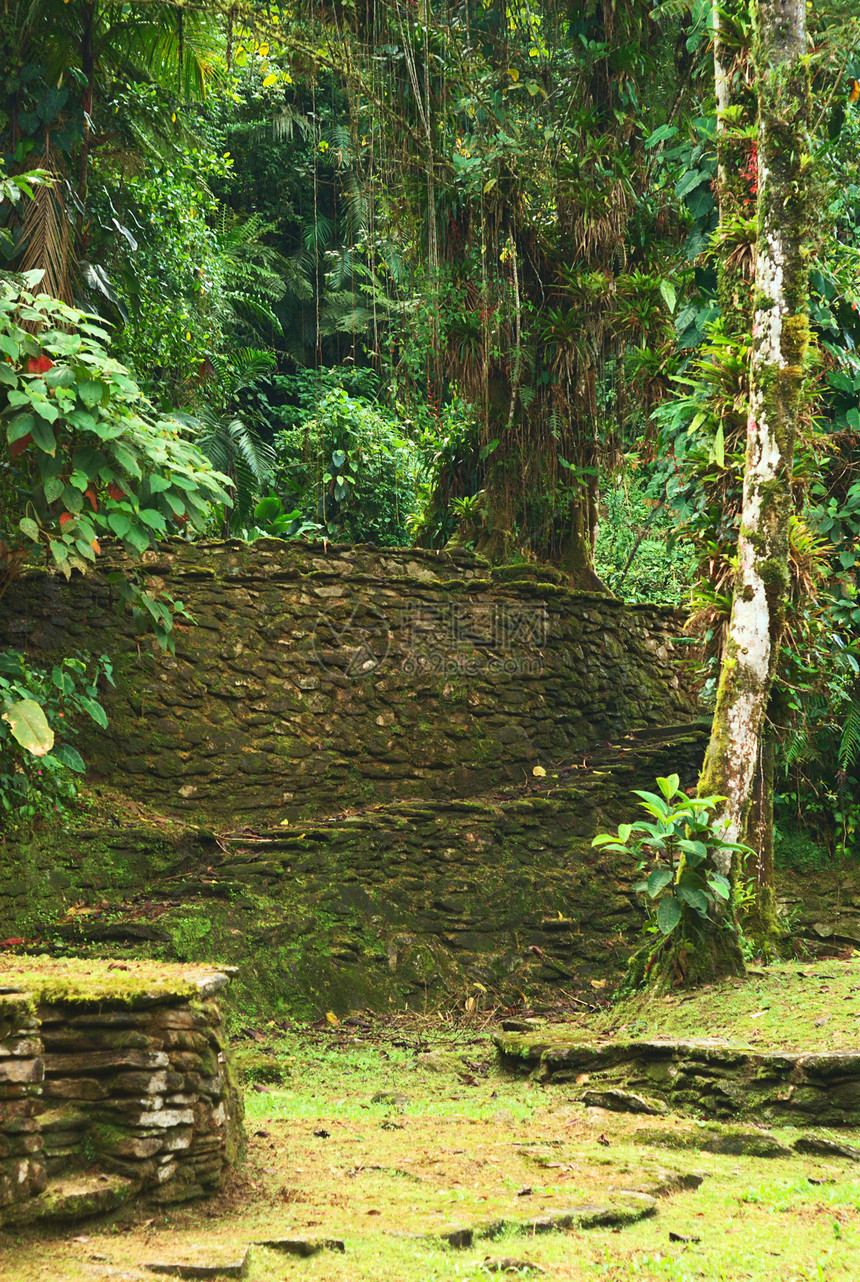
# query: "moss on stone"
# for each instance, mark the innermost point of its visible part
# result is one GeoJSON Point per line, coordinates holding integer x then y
{"type": "Point", "coordinates": [58, 980]}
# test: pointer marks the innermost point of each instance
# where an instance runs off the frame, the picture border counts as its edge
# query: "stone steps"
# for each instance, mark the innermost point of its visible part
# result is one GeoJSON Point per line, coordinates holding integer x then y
{"type": "Point", "coordinates": [500, 892]}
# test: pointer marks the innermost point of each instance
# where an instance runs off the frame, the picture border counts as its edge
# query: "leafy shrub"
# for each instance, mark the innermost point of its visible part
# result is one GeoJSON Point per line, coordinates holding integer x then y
{"type": "Point", "coordinates": [38, 709]}
{"type": "Point", "coordinates": [348, 467]}
{"type": "Point", "coordinates": [87, 456]}
{"type": "Point", "coordinates": [678, 847]}
{"type": "Point", "coordinates": [636, 554]}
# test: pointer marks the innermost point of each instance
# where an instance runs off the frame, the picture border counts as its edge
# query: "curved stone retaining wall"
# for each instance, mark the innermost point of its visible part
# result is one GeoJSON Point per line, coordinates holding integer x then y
{"type": "Point", "coordinates": [321, 677]}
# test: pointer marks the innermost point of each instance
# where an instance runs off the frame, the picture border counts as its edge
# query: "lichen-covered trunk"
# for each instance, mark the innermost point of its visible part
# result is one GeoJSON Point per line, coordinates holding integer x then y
{"type": "Point", "coordinates": [737, 185]}
{"type": "Point", "coordinates": [780, 337]}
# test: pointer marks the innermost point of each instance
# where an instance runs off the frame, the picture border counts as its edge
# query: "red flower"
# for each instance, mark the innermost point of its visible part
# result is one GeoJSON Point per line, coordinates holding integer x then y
{"type": "Point", "coordinates": [39, 364]}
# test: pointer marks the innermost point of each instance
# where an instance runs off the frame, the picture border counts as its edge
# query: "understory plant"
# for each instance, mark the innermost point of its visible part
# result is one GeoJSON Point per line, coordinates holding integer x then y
{"type": "Point", "coordinates": [679, 848]}
{"type": "Point", "coordinates": [350, 469]}
{"type": "Point", "coordinates": [38, 711]}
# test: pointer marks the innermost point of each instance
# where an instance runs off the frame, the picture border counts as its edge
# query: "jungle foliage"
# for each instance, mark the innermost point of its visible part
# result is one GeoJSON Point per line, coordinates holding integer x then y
{"type": "Point", "coordinates": [444, 272]}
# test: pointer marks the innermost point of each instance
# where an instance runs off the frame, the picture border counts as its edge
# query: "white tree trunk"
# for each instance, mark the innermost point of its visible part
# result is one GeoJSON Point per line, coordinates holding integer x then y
{"type": "Point", "coordinates": [780, 339]}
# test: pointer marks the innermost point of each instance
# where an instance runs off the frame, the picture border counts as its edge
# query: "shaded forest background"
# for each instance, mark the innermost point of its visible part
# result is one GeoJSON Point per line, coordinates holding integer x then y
{"type": "Point", "coordinates": [426, 272]}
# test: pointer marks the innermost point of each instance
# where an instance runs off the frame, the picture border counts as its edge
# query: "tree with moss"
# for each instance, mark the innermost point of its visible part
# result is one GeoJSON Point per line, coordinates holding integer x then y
{"type": "Point", "coordinates": [694, 912]}
{"type": "Point", "coordinates": [780, 340]}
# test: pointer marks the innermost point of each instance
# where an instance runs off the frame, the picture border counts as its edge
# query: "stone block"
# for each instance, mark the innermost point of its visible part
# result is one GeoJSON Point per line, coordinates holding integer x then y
{"type": "Point", "coordinates": [88, 1062]}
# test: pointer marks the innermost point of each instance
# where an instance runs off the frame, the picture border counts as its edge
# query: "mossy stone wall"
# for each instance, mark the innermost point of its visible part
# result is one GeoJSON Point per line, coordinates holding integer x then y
{"type": "Point", "coordinates": [410, 902]}
{"type": "Point", "coordinates": [320, 677]}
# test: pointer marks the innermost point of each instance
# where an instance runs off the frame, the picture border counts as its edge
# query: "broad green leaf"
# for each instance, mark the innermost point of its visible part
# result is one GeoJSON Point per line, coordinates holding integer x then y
{"type": "Point", "coordinates": [720, 885]}
{"type": "Point", "coordinates": [153, 519]}
{"type": "Point", "coordinates": [53, 488]}
{"type": "Point", "coordinates": [62, 680]}
{"type": "Point", "coordinates": [48, 410]}
{"type": "Point", "coordinates": [80, 418]}
{"type": "Point", "coordinates": [668, 914]}
{"type": "Point", "coordinates": [87, 552]}
{"type": "Point", "coordinates": [138, 540]}
{"type": "Point", "coordinates": [90, 392]}
{"type": "Point", "coordinates": [70, 757]}
{"type": "Point", "coordinates": [119, 523]}
{"type": "Point", "coordinates": [96, 711]}
{"type": "Point", "coordinates": [177, 505]}
{"type": "Point", "coordinates": [126, 458]}
{"type": "Point", "coordinates": [719, 448]}
{"type": "Point", "coordinates": [43, 435]}
{"type": "Point", "coordinates": [29, 527]}
{"type": "Point", "coordinates": [667, 292]}
{"type": "Point", "coordinates": [690, 181]}
{"type": "Point", "coordinates": [668, 786]}
{"type": "Point", "coordinates": [30, 727]}
{"type": "Point", "coordinates": [659, 878]}
{"type": "Point", "coordinates": [695, 898]}
{"type": "Point", "coordinates": [18, 427]}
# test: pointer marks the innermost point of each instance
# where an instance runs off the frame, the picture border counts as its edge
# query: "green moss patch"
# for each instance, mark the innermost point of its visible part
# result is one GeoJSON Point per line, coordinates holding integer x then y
{"type": "Point", "coordinates": [62, 979]}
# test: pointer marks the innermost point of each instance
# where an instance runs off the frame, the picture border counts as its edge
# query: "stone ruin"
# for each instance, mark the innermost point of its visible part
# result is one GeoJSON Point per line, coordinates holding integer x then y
{"type": "Point", "coordinates": [108, 1098]}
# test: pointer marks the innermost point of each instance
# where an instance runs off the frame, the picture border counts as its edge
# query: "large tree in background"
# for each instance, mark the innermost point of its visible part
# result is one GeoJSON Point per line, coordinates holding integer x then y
{"type": "Point", "coordinates": [780, 338]}
{"type": "Point", "coordinates": [504, 150]}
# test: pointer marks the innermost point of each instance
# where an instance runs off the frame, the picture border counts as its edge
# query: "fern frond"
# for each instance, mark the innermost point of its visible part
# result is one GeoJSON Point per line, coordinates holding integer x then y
{"type": "Point", "coordinates": [849, 744]}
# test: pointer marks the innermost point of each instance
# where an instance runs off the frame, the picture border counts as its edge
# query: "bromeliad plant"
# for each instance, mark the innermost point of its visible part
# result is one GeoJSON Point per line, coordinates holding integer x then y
{"type": "Point", "coordinates": [683, 891]}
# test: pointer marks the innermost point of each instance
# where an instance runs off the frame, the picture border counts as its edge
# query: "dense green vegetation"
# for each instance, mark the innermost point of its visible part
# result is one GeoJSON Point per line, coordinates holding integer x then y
{"type": "Point", "coordinates": [479, 275]}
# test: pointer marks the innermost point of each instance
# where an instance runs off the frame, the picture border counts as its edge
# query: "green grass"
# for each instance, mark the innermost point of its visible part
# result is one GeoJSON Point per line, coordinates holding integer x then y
{"type": "Point", "coordinates": [790, 1006]}
{"type": "Point", "coordinates": [462, 1148]}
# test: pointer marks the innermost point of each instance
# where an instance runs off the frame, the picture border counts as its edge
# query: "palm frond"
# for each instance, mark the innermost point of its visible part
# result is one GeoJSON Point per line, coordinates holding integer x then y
{"type": "Point", "coordinates": [45, 241]}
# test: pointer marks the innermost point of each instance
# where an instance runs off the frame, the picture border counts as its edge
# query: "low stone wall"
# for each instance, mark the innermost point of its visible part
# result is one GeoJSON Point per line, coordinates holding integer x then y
{"type": "Point", "coordinates": [707, 1078]}
{"type": "Point", "coordinates": [23, 1172]}
{"type": "Point", "coordinates": [104, 1099]}
{"type": "Point", "coordinates": [321, 677]}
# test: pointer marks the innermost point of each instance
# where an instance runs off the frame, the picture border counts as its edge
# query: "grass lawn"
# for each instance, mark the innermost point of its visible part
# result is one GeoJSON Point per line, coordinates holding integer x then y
{"type": "Point", "coordinates": [388, 1134]}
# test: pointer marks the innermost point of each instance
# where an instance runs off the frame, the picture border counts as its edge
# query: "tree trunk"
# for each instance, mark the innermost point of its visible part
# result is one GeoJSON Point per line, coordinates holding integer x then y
{"type": "Point", "coordinates": [736, 174]}
{"type": "Point", "coordinates": [88, 68]}
{"type": "Point", "coordinates": [780, 336]}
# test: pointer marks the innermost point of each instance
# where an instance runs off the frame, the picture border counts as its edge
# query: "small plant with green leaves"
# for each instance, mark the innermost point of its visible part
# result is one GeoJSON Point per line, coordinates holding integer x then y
{"type": "Point", "coordinates": [677, 845]}
{"type": "Point", "coordinates": [38, 710]}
